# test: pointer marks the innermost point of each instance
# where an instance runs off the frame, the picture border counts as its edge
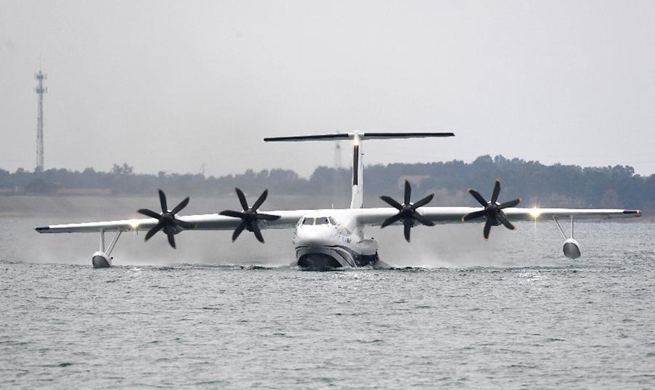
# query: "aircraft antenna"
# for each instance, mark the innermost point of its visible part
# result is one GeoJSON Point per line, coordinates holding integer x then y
{"type": "Point", "coordinates": [40, 90]}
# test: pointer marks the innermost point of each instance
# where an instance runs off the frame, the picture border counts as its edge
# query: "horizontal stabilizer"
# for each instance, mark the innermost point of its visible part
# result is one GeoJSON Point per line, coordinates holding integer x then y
{"type": "Point", "coordinates": [405, 135]}
{"type": "Point", "coordinates": [317, 137]}
{"type": "Point", "coordinates": [363, 136]}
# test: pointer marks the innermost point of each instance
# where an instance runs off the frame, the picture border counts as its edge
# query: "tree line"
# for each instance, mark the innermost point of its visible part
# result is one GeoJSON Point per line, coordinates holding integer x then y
{"type": "Point", "coordinates": [538, 184]}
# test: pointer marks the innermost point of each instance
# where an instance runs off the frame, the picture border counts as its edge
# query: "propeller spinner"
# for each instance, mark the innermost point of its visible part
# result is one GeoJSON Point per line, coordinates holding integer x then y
{"type": "Point", "coordinates": [493, 211]}
{"type": "Point", "coordinates": [167, 220]}
{"type": "Point", "coordinates": [407, 211]}
{"type": "Point", "coordinates": [249, 216]}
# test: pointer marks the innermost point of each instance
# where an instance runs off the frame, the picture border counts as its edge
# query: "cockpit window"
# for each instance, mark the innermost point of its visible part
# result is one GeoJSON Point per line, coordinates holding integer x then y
{"type": "Point", "coordinates": [318, 221]}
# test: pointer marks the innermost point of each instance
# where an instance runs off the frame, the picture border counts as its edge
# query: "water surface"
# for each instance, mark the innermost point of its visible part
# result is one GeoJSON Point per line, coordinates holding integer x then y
{"type": "Point", "coordinates": [453, 314]}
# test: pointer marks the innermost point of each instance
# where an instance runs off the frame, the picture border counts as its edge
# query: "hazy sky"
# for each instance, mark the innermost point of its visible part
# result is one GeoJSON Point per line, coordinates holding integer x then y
{"type": "Point", "coordinates": [177, 85]}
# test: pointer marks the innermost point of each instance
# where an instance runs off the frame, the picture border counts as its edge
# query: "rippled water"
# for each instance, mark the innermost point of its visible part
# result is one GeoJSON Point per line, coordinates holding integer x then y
{"type": "Point", "coordinates": [512, 313]}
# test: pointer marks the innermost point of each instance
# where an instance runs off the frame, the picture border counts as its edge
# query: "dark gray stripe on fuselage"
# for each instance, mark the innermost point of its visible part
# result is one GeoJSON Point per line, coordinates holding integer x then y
{"type": "Point", "coordinates": [356, 165]}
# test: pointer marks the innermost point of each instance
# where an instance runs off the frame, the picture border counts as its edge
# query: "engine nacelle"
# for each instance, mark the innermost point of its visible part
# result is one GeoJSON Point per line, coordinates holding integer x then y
{"type": "Point", "coordinates": [571, 249]}
{"type": "Point", "coordinates": [101, 260]}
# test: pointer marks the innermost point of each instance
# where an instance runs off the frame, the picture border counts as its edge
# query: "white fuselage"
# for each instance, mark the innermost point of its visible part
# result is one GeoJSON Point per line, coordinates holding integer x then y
{"type": "Point", "coordinates": [325, 239]}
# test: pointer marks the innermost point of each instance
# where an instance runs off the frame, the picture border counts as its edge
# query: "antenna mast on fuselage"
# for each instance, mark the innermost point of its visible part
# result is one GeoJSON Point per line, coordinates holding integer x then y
{"type": "Point", "coordinates": [357, 200]}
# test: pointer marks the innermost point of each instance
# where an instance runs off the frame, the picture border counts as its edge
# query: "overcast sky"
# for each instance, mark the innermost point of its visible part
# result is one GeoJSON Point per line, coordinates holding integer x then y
{"type": "Point", "coordinates": [176, 86]}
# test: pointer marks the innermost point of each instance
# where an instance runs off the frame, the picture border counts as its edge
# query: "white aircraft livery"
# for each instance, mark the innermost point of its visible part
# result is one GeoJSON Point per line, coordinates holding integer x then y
{"type": "Point", "coordinates": [334, 238]}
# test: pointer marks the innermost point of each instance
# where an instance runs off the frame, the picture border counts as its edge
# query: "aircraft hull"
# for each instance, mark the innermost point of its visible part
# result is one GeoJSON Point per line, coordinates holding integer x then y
{"type": "Point", "coordinates": [322, 256]}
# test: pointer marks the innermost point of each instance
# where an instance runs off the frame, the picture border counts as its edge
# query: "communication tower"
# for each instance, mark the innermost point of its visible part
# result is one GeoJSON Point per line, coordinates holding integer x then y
{"type": "Point", "coordinates": [39, 120]}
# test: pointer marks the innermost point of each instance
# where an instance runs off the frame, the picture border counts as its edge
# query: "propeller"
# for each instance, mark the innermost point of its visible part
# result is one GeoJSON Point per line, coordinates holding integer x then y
{"type": "Point", "coordinates": [167, 220]}
{"type": "Point", "coordinates": [249, 216]}
{"type": "Point", "coordinates": [407, 211]}
{"type": "Point", "coordinates": [493, 211]}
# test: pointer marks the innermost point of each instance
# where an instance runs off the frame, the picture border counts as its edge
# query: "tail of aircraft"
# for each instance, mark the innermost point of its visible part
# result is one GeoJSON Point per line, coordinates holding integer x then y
{"type": "Point", "coordinates": [357, 200]}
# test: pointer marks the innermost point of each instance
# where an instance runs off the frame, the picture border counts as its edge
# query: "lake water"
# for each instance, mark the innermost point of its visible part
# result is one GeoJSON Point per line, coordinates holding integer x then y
{"type": "Point", "coordinates": [505, 314]}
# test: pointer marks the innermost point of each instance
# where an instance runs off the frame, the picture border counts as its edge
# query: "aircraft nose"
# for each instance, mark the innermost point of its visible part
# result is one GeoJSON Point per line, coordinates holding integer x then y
{"type": "Point", "coordinates": [317, 234]}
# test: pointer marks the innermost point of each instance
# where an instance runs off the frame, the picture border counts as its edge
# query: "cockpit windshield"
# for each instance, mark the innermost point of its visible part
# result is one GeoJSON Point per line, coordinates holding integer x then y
{"type": "Point", "coordinates": [318, 221]}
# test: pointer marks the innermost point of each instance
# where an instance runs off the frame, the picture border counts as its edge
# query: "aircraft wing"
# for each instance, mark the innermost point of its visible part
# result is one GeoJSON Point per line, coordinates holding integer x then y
{"type": "Point", "coordinates": [368, 216]}
{"type": "Point", "coordinates": [288, 219]}
{"type": "Point", "coordinates": [525, 214]}
{"type": "Point", "coordinates": [444, 215]}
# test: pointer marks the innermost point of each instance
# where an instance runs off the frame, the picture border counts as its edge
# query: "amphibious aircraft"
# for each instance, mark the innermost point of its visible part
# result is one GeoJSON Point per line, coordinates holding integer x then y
{"type": "Point", "coordinates": [334, 238]}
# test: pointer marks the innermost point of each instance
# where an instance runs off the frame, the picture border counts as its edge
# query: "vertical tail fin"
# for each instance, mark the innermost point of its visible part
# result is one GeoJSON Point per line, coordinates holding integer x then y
{"type": "Point", "coordinates": [357, 199]}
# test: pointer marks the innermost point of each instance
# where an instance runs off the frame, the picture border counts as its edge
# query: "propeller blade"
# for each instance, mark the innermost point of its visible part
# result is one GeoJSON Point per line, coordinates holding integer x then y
{"type": "Point", "coordinates": [180, 206]}
{"type": "Point", "coordinates": [391, 220]}
{"type": "Point", "coordinates": [154, 230]}
{"type": "Point", "coordinates": [238, 230]}
{"type": "Point", "coordinates": [494, 195]}
{"type": "Point", "coordinates": [391, 202]}
{"type": "Point", "coordinates": [503, 219]}
{"type": "Point", "coordinates": [408, 192]}
{"type": "Point", "coordinates": [474, 215]}
{"type": "Point", "coordinates": [268, 217]}
{"type": "Point", "coordinates": [487, 229]}
{"type": "Point", "coordinates": [242, 199]}
{"type": "Point", "coordinates": [257, 231]}
{"type": "Point", "coordinates": [422, 219]}
{"type": "Point", "coordinates": [162, 201]}
{"type": "Point", "coordinates": [511, 203]}
{"type": "Point", "coordinates": [234, 214]}
{"type": "Point", "coordinates": [407, 229]}
{"type": "Point", "coordinates": [260, 200]}
{"type": "Point", "coordinates": [171, 239]}
{"type": "Point", "coordinates": [423, 202]}
{"type": "Point", "coordinates": [184, 224]}
{"type": "Point", "coordinates": [478, 197]}
{"type": "Point", "coordinates": [149, 213]}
